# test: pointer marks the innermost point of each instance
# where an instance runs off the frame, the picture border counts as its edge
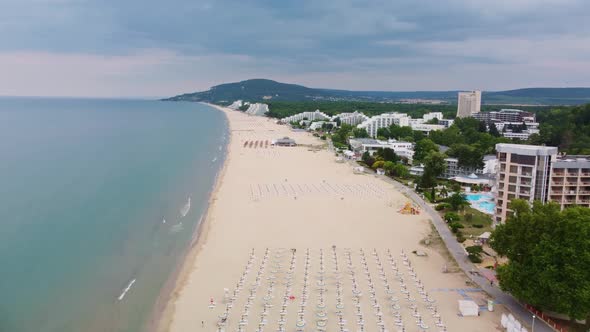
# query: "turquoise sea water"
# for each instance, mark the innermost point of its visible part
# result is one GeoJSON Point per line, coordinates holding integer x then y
{"type": "Point", "coordinates": [84, 188]}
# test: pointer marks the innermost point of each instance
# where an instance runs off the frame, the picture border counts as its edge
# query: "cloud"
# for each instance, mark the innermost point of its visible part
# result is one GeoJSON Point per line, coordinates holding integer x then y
{"type": "Point", "coordinates": [148, 47]}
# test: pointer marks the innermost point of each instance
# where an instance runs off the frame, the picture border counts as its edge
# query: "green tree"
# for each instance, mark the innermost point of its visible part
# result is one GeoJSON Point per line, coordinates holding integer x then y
{"type": "Point", "coordinates": [423, 148]}
{"type": "Point", "coordinates": [360, 133]}
{"type": "Point", "coordinates": [378, 164]}
{"type": "Point", "coordinates": [457, 201]}
{"type": "Point", "coordinates": [383, 132]}
{"type": "Point", "coordinates": [549, 257]}
{"type": "Point", "coordinates": [387, 154]}
{"type": "Point", "coordinates": [367, 158]}
{"type": "Point", "coordinates": [401, 171]}
{"type": "Point", "coordinates": [444, 192]}
{"type": "Point", "coordinates": [434, 166]}
{"type": "Point", "coordinates": [398, 132]}
{"type": "Point", "coordinates": [389, 166]}
{"type": "Point", "coordinates": [451, 216]}
{"type": "Point", "coordinates": [469, 156]}
{"type": "Point", "coordinates": [494, 130]}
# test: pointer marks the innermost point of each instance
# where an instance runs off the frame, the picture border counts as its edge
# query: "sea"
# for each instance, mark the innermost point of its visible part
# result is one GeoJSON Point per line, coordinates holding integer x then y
{"type": "Point", "coordinates": [99, 202]}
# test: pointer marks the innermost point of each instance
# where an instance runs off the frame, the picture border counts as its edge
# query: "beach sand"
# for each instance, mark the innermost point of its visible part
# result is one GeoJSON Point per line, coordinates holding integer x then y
{"type": "Point", "coordinates": [294, 238]}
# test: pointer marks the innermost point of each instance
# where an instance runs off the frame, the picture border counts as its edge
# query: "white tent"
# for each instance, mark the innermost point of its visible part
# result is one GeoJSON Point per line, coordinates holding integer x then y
{"type": "Point", "coordinates": [468, 308]}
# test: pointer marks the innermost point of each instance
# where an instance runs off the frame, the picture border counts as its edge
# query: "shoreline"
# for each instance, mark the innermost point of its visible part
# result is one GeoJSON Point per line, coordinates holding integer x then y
{"type": "Point", "coordinates": [163, 312]}
{"type": "Point", "coordinates": [301, 198]}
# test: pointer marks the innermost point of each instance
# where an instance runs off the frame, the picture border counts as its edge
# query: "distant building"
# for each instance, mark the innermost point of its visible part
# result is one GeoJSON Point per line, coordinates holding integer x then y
{"type": "Point", "coordinates": [505, 115]}
{"type": "Point", "coordinates": [319, 124]}
{"type": "Point", "coordinates": [311, 116]}
{"type": "Point", "coordinates": [285, 141]}
{"type": "Point", "coordinates": [426, 128]}
{"type": "Point", "coordinates": [468, 103]}
{"type": "Point", "coordinates": [353, 119]}
{"type": "Point", "coordinates": [257, 109]}
{"type": "Point", "coordinates": [373, 124]}
{"type": "Point", "coordinates": [235, 105]}
{"type": "Point", "coordinates": [446, 122]}
{"type": "Point", "coordinates": [523, 173]}
{"type": "Point", "coordinates": [453, 169]}
{"type": "Point", "coordinates": [402, 149]}
{"type": "Point", "coordinates": [417, 170]}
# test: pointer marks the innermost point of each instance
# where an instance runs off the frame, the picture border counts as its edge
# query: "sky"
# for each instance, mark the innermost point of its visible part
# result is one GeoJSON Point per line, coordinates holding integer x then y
{"type": "Point", "coordinates": [131, 48]}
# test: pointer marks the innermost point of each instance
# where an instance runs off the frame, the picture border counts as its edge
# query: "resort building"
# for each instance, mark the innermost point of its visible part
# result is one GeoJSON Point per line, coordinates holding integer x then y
{"type": "Point", "coordinates": [446, 122]}
{"type": "Point", "coordinates": [402, 149]}
{"type": "Point", "coordinates": [523, 173]}
{"type": "Point", "coordinates": [570, 181]}
{"type": "Point", "coordinates": [426, 128]}
{"type": "Point", "coordinates": [468, 103]}
{"type": "Point", "coordinates": [311, 116]}
{"type": "Point", "coordinates": [432, 115]}
{"type": "Point", "coordinates": [385, 120]}
{"type": "Point", "coordinates": [319, 124]}
{"type": "Point", "coordinates": [257, 109]}
{"type": "Point", "coordinates": [235, 105]}
{"type": "Point", "coordinates": [353, 119]}
{"type": "Point", "coordinates": [505, 115]}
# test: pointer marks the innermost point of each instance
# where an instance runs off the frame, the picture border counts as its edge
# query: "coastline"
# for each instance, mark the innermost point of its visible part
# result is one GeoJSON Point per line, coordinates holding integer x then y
{"type": "Point", "coordinates": [161, 319]}
{"type": "Point", "coordinates": [311, 202]}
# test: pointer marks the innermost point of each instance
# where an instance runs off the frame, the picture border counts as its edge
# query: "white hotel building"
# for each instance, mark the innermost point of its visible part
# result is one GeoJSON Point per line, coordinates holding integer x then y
{"type": "Point", "coordinates": [385, 120]}
{"type": "Point", "coordinates": [311, 116]}
{"type": "Point", "coordinates": [353, 119]}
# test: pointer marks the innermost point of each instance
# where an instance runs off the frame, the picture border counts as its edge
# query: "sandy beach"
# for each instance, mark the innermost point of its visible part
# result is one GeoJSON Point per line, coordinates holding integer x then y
{"type": "Point", "coordinates": [295, 241]}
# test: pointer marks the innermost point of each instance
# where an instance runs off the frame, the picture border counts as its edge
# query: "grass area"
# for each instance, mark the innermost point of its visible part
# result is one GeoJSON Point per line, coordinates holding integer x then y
{"type": "Point", "coordinates": [477, 218]}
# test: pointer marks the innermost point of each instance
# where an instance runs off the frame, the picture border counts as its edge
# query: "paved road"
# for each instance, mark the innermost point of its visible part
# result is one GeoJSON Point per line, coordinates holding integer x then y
{"type": "Point", "coordinates": [456, 249]}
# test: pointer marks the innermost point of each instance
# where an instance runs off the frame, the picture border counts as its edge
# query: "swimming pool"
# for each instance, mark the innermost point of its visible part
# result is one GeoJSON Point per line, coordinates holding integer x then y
{"type": "Point", "coordinates": [483, 202]}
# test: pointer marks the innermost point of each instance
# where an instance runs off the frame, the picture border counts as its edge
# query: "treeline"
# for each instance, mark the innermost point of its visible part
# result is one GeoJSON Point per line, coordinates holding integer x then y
{"type": "Point", "coordinates": [567, 128]}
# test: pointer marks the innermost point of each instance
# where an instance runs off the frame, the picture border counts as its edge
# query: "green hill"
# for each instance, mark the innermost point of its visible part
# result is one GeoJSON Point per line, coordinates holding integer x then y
{"type": "Point", "coordinates": [256, 90]}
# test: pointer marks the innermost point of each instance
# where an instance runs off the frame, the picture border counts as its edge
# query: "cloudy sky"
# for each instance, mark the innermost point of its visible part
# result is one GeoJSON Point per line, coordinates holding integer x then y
{"type": "Point", "coordinates": [160, 48]}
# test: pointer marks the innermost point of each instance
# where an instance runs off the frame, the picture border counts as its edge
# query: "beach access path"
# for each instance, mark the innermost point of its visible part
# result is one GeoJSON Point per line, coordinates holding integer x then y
{"type": "Point", "coordinates": [458, 253]}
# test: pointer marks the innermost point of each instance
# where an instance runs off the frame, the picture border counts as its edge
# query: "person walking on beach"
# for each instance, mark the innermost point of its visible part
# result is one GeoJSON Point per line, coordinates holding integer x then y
{"type": "Point", "coordinates": [202, 323]}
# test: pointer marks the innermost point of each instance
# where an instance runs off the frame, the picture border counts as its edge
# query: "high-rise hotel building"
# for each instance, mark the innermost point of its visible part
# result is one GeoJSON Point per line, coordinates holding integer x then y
{"type": "Point", "coordinates": [538, 173]}
{"type": "Point", "coordinates": [524, 172]}
{"type": "Point", "coordinates": [468, 103]}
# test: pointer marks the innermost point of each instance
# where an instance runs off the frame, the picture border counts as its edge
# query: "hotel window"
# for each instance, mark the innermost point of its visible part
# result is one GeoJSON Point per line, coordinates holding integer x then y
{"type": "Point", "coordinates": [513, 169]}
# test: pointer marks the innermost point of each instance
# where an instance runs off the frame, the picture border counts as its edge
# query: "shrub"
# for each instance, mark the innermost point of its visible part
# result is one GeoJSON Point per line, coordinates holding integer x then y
{"type": "Point", "coordinates": [442, 206]}
{"type": "Point", "coordinates": [451, 217]}
{"type": "Point", "coordinates": [478, 225]}
{"type": "Point", "coordinates": [474, 258]}
{"type": "Point", "coordinates": [474, 250]}
{"type": "Point", "coordinates": [455, 226]}
{"type": "Point", "coordinates": [460, 237]}
{"type": "Point", "coordinates": [323, 137]}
